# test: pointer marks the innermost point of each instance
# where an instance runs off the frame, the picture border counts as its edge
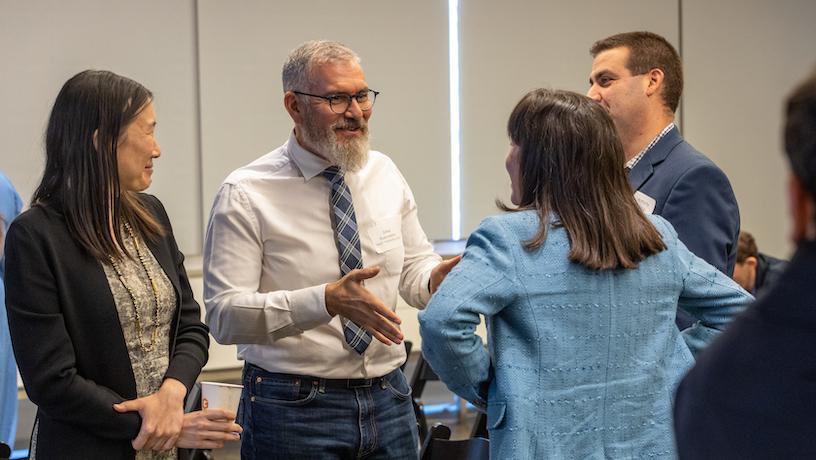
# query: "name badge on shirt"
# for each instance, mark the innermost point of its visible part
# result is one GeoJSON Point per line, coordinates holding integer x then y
{"type": "Point", "coordinates": [386, 234]}
{"type": "Point", "coordinates": [646, 203]}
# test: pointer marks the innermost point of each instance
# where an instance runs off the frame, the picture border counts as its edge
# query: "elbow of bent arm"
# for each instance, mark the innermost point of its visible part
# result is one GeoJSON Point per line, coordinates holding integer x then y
{"type": "Point", "coordinates": [430, 328]}
{"type": "Point", "coordinates": [76, 401]}
{"type": "Point", "coordinates": [219, 329]}
{"type": "Point", "coordinates": [242, 318]}
{"type": "Point", "coordinates": [217, 319]}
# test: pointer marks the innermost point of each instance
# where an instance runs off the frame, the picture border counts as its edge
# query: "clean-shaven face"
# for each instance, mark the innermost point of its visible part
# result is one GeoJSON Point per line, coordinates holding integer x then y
{"type": "Point", "coordinates": [136, 150]}
{"type": "Point", "coordinates": [614, 87]}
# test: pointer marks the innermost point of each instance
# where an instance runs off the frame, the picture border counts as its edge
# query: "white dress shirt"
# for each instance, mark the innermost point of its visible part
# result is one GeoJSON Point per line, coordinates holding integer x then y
{"type": "Point", "coordinates": [270, 250]}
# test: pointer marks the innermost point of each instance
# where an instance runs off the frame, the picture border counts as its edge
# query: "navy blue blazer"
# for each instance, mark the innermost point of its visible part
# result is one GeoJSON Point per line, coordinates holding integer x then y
{"type": "Point", "coordinates": [768, 271]}
{"type": "Point", "coordinates": [752, 393]}
{"type": "Point", "coordinates": [695, 196]}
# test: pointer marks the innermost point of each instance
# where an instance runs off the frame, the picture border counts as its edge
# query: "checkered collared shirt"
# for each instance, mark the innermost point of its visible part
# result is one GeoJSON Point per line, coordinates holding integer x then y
{"type": "Point", "coordinates": [631, 163]}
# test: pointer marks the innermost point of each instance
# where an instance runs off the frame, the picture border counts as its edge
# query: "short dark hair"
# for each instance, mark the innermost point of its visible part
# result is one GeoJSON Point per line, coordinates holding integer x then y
{"type": "Point", "coordinates": [649, 51]}
{"type": "Point", "coordinates": [800, 129]}
{"type": "Point", "coordinates": [570, 161]}
{"type": "Point", "coordinates": [82, 179]}
{"type": "Point", "coordinates": [746, 247]}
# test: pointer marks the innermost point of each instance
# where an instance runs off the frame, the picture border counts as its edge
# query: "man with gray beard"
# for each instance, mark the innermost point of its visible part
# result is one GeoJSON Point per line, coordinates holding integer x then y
{"type": "Point", "coordinates": [306, 251]}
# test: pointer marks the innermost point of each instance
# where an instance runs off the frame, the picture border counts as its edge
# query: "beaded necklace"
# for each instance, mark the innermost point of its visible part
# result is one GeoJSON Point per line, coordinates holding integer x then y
{"type": "Point", "coordinates": [153, 287]}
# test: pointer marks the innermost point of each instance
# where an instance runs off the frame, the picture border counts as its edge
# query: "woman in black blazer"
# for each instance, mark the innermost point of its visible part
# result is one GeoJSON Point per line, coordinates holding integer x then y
{"type": "Point", "coordinates": [107, 335]}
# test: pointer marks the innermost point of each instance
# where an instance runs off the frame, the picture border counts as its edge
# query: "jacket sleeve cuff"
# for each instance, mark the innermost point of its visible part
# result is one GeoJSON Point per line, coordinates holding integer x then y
{"type": "Point", "coordinates": [185, 368]}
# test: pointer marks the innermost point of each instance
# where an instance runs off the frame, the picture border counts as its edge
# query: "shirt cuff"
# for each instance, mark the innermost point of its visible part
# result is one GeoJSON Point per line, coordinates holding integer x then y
{"type": "Point", "coordinates": [308, 307]}
{"type": "Point", "coordinates": [425, 287]}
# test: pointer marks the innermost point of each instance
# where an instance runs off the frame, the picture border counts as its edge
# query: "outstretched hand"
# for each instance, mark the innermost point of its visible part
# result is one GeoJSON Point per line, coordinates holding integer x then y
{"type": "Point", "coordinates": [162, 415]}
{"type": "Point", "coordinates": [442, 269]}
{"type": "Point", "coordinates": [349, 298]}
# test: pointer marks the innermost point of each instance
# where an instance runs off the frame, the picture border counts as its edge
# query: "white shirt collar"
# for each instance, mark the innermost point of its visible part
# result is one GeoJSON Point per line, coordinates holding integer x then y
{"type": "Point", "coordinates": [309, 164]}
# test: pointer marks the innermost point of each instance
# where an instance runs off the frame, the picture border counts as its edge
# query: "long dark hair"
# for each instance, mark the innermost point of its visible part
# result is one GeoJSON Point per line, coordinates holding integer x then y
{"type": "Point", "coordinates": [81, 175]}
{"type": "Point", "coordinates": [571, 162]}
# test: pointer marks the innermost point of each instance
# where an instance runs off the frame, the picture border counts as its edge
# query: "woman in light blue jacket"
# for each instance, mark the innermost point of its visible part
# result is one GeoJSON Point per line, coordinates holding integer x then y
{"type": "Point", "coordinates": [579, 290]}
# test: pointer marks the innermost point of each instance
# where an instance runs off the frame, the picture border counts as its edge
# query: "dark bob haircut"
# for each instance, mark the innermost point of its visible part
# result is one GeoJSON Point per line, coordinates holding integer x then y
{"type": "Point", "coordinates": [81, 175]}
{"type": "Point", "coordinates": [571, 162]}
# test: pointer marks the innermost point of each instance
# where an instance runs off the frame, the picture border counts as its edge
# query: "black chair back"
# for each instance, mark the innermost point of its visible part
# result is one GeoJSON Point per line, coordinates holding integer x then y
{"type": "Point", "coordinates": [438, 446]}
{"type": "Point", "coordinates": [480, 426]}
{"type": "Point", "coordinates": [419, 377]}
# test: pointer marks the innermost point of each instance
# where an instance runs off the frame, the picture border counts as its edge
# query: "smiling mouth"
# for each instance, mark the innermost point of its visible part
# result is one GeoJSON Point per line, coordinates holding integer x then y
{"type": "Point", "coordinates": [349, 131]}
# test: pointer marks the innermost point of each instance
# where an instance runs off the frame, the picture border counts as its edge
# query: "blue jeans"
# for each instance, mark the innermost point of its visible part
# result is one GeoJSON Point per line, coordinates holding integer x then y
{"type": "Point", "coordinates": [289, 416]}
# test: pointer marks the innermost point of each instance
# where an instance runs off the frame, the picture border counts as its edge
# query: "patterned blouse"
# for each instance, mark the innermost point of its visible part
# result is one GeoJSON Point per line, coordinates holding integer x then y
{"type": "Point", "coordinates": [149, 355]}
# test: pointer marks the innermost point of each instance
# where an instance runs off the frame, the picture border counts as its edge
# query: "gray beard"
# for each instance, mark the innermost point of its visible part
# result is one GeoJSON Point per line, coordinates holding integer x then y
{"type": "Point", "coordinates": [349, 156]}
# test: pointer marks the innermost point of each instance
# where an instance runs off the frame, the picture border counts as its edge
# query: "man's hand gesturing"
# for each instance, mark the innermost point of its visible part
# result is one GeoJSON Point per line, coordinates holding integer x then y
{"type": "Point", "coordinates": [348, 298]}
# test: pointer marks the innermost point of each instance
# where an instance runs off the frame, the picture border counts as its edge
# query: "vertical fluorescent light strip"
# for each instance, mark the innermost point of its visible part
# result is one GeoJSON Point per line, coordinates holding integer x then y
{"type": "Point", "coordinates": [453, 59]}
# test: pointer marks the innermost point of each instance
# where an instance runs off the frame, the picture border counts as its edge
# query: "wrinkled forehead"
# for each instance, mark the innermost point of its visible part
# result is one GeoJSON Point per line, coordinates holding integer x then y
{"type": "Point", "coordinates": [338, 76]}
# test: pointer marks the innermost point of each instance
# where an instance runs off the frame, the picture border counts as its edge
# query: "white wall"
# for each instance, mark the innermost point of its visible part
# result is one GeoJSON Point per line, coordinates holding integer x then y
{"type": "Point", "coordinates": [742, 58]}
{"type": "Point", "coordinates": [45, 42]}
{"type": "Point", "coordinates": [214, 67]}
{"type": "Point", "coordinates": [509, 48]}
{"type": "Point", "coordinates": [404, 55]}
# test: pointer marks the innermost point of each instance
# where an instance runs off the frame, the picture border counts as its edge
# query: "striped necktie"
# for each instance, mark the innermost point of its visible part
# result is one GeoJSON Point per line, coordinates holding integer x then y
{"type": "Point", "coordinates": [347, 240]}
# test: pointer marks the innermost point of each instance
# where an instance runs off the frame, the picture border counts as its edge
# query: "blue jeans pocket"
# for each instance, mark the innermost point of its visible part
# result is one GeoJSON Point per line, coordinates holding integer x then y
{"type": "Point", "coordinates": [281, 391]}
{"type": "Point", "coordinates": [398, 385]}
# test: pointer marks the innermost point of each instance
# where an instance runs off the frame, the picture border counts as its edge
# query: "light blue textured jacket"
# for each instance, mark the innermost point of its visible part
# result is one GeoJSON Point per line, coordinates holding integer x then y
{"type": "Point", "coordinates": [10, 206]}
{"type": "Point", "coordinates": [579, 363]}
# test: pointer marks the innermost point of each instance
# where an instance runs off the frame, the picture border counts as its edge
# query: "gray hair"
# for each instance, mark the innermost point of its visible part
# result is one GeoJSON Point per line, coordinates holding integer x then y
{"type": "Point", "coordinates": [299, 64]}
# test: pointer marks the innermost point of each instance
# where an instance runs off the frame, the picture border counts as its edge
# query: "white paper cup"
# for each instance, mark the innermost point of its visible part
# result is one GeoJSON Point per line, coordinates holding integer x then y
{"type": "Point", "coordinates": [216, 395]}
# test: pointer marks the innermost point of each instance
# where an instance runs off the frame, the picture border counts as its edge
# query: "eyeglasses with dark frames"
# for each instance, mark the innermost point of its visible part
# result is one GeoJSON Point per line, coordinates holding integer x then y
{"type": "Point", "coordinates": [340, 102]}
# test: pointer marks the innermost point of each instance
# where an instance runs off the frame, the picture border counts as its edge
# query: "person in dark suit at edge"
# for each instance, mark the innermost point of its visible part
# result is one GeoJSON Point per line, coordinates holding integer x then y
{"type": "Point", "coordinates": [638, 77]}
{"type": "Point", "coordinates": [752, 393]}
{"type": "Point", "coordinates": [756, 272]}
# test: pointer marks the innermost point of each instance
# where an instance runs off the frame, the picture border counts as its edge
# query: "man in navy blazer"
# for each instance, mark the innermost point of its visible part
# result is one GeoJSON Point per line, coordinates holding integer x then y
{"type": "Point", "coordinates": [638, 77]}
{"type": "Point", "coordinates": [752, 394]}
